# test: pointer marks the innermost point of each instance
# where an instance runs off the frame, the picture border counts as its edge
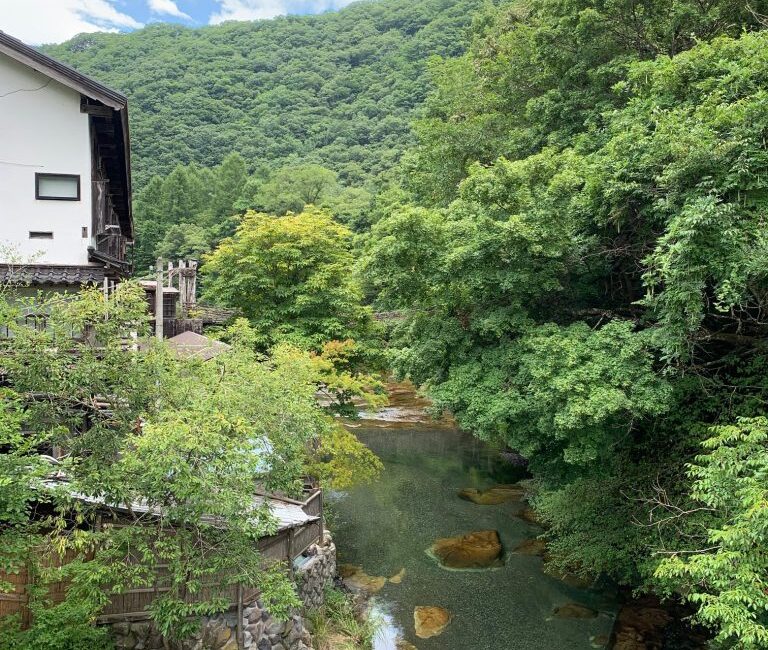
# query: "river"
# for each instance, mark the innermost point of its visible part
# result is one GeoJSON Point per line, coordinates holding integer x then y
{"type": "Point", "coordinates": [387, 526]}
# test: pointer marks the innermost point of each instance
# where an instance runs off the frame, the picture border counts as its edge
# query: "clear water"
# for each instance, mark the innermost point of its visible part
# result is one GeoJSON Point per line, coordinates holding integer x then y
{"type": "Point", "coordinates": [387, 526]}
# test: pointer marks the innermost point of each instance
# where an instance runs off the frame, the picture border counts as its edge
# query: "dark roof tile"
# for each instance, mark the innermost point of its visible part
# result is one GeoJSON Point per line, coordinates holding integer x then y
{"type": "Point", "coordinates": [42, 274]}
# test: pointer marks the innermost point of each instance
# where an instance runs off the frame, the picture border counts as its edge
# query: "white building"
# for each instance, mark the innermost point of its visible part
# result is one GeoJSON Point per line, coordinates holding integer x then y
{"type": "Point", "coordinates": [65, 190]}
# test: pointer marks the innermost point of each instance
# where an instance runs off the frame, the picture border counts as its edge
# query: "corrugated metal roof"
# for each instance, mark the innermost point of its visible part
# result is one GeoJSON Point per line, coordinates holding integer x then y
{"type": "Point", "coordinates": [193, 345]}
{"type": "Point", "coordinates": [288, 515]}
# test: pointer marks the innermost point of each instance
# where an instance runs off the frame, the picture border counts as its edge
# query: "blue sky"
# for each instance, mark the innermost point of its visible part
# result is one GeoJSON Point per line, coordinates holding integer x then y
{"type": "Point", "coordinates": [53, 21]}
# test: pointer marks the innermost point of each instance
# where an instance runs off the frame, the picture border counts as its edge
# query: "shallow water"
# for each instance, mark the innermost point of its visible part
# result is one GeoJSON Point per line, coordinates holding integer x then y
{"type": "Point", "coordinates": [387, 526]}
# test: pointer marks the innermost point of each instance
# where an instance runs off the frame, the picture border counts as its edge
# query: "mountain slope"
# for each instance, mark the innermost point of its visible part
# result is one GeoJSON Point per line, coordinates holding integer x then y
{"type": "Point", "coordinates": [339, 88]}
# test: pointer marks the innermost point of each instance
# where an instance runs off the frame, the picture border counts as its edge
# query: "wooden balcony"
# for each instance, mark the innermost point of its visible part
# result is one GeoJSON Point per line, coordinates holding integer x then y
{"type": "Point", "coordinates": [114, 245]}
{"type": "Point", "coordinates": [111, 246]}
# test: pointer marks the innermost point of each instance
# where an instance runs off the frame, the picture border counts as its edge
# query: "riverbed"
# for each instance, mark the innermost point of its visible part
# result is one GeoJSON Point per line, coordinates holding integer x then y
{"type": "Point", "coordinates": [387, 526]}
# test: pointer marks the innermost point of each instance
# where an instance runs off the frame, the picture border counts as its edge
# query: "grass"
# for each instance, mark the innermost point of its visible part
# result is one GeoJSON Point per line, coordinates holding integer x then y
{"type": "Point", "coordinates": [340, 625]}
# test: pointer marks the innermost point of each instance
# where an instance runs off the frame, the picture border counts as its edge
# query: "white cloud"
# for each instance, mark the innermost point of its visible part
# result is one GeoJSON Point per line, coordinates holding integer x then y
{"type": "Point", "coordinates": [256, 9]}
{"type": "Point", "coordinates": [248, 10]}
{"type": "Point", "coordinates": [53, 21]}
{"type": "Point", "coordinates": [167, 8]}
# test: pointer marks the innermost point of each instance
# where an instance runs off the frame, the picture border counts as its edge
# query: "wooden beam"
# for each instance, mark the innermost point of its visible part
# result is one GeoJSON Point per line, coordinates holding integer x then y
{"type": "Point", "coordinates": [97, 111]}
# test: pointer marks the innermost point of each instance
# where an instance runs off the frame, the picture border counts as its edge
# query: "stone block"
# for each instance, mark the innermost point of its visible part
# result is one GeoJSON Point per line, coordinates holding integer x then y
{"type": "Point", "coordinates": [125, 641]}
{"type": "Point", "coordinates": [274, 627]}
{"type": "Point", "coordinates": [256, 630]}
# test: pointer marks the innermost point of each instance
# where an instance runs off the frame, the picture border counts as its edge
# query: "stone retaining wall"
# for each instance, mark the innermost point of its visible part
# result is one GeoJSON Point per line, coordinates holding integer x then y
{"type": "Point", "coordinates": [317, 573]}
{"type": "Point", "coordinates": [261, 631]}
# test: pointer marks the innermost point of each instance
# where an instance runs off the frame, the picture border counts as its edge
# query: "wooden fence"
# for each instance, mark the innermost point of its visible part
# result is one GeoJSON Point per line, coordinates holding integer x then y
{"type": "Point", "coordinates": [132, 604]}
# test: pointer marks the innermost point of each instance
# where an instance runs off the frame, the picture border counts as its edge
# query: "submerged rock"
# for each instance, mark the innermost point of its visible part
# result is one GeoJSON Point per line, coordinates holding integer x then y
{"type": "Point", "coordinates": [640, 625]}
{"type": "Point", "coordinates": [574, 610]}
{"type": "Point", "coordinates": [398, 577]}
{"type": "Point", "coordinates": [478, 550]}
{"type": "Point", "coordinates": [530, 515]}
{"type": "Point", "coordinates": [494, 495]}
{"type": "Point", "coordinates": [402, 644]}
{"type": "Point", "coordinates": [358, 580]}
{"type": "Point", "coordinates": [571, 579]}
{"type": "Point", "coordinates": [531, 547]}
{"type": "Point", "coordinates": [430, 621]}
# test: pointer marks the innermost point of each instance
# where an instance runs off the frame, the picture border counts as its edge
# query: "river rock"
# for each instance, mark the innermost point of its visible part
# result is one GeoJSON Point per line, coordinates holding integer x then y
{"type": "Point", "coordinates": [571, 579]}
{"type": "Point", "coordinates": [358, 580]}
{"type": "Point", "coordinates": [640, 625]}
{"type": "Point", "coordinates": [529, 515]}
{"type": "Point", "coordinates": [478, 550]}
{"type": "Point", "coordinates": [531, 547]}
{"type": "Point", "coordinates": [398, 577]}
{"type": "Point", "coordinates": [402, 644]}
{"type": "Point", "coordinates": [493, 496]}
{"type": "Point", "coordinates": [430, 621]}
{"type": "Point", "coordinates": [574, 610]}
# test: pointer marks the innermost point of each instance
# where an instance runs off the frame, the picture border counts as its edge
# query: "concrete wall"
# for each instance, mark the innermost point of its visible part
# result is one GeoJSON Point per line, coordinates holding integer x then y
{"type": "Point", "coordinates": [42, 130]}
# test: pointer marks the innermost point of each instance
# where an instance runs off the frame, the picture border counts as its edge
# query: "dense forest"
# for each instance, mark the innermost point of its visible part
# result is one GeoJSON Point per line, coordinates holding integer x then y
{"type": "Point", "coordinates": [338, 89]}
{"type": "Point", "coordinates": [333, 94]}
{"type": "Point", "coordinates": [581, 269]}
{"type": "Point", "coordinates": [566, 212]}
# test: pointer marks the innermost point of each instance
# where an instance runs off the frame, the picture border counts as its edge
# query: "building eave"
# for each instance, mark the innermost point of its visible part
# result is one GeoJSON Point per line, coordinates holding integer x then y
{"type": "Point", "coordinates": [91, 89]}
{"type": "Point", "coordinates": [61, 72]}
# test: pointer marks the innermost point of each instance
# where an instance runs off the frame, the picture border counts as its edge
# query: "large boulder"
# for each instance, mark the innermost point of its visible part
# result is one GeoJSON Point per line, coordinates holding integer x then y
{"type": "Point", "coordinates": [478, 550]}
{"type": "Point", "coordinates": [430, 621]}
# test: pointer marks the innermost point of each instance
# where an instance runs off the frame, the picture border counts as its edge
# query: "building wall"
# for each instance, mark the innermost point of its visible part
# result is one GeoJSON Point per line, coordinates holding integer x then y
{"type": "Point", "coordinates": [41, 130]}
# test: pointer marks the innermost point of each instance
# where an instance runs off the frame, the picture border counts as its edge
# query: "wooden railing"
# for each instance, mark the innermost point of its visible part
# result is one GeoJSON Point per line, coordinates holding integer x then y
{"type": "Point", "coordinates": [114, 245]}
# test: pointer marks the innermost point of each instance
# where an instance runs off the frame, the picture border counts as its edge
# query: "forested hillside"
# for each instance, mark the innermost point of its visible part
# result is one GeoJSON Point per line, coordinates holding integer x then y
{"type": "Point", "coordinates": [337, 89]}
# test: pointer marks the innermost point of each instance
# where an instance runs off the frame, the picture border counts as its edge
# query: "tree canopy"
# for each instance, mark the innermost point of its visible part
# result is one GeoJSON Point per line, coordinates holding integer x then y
{"type": "Point", "coordinates": [337, 89]}
{"type": "Point", "coordinates": [291, 277]}
{"type": "Point", "coordinates": [188, 440]}
{"type": "Point", "coordinates": [580, 271]}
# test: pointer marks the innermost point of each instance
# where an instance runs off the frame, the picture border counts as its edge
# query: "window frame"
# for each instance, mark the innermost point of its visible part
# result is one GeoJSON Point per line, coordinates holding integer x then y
{"type": "Point", "coordinates": [38, 175]}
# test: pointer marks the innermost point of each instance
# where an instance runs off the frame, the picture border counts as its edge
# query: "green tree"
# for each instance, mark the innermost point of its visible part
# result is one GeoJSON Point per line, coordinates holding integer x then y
{"type": "Point", "coordinates": [186, 439]}
{"type": "Point", "coordinates": [727, 576]}
{"type": "Point", "coordinates": [230, 178]}
{"type": "Point", "coordinates": [184, 241]}
{"type": "Point", "coordinates": [580, 282]}
{"type": "Point", "coordinates": [290, 189]}
{"type": "Point", "coordinates": [292, 277]}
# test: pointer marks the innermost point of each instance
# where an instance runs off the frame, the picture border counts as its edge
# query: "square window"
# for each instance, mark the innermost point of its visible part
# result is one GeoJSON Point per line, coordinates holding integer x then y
{"type": "Point", "coordinates": [57, 187]}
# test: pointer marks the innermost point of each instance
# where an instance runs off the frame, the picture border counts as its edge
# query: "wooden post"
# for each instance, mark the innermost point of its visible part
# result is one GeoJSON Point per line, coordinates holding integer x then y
{"type": "Point", "coordinates": [322, 523]}
{"type": "Point", "coordinates": [192, 282]}
{"type": "Point", "coordinates": [290, 551]}
{"type": "Point", "coordinates": [183, 287]}
{"type": "Point", "coordinates": [159, 299]}
{"type": "Point", "coordinates": [240, 640]}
